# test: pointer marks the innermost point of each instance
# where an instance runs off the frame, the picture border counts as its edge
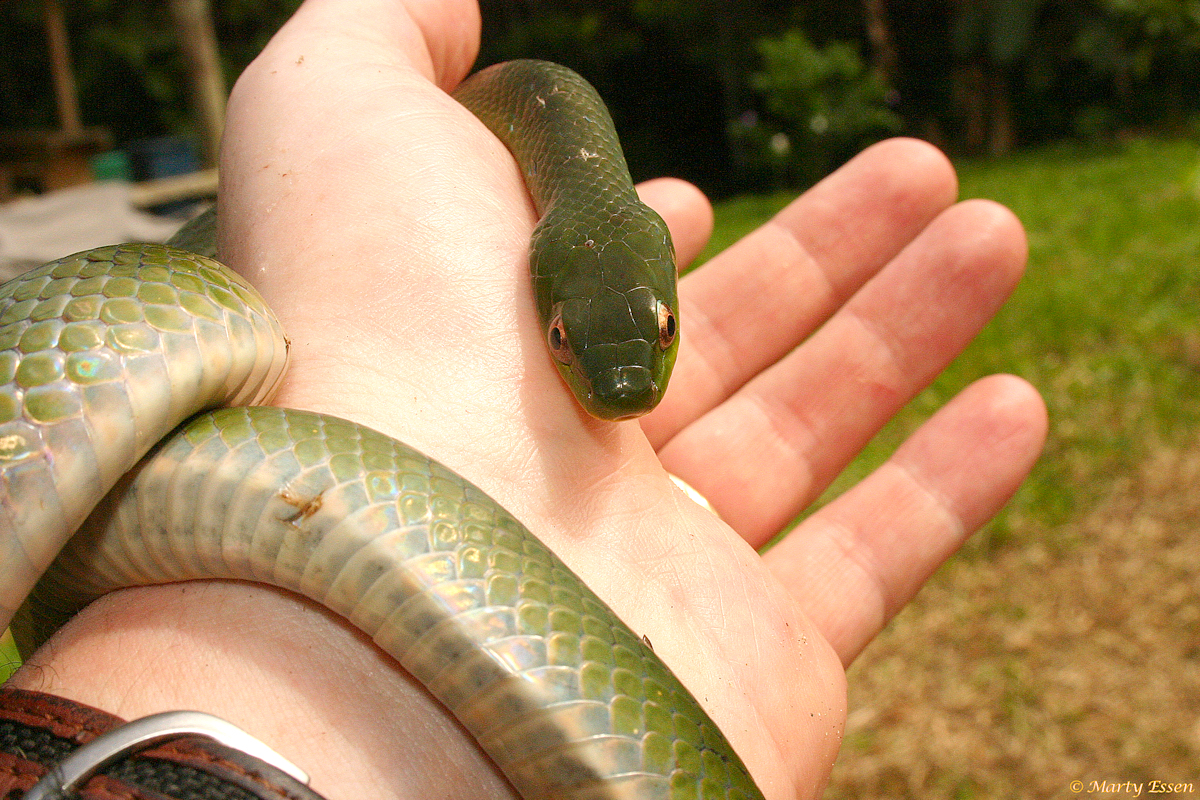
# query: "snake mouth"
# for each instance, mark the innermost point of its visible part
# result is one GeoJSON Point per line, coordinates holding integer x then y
{"type": "Point", "coordinates": [624, 392]}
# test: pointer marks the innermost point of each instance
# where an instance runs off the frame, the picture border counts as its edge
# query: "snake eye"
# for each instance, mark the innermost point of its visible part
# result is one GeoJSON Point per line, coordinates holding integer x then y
{"type": "Point", "coordinates": [556, 338]}
{"type": "Point", "coordinates": [666, 326]}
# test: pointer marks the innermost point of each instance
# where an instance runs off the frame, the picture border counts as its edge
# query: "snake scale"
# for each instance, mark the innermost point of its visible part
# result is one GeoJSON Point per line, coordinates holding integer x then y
{"type": "Point", "coordinates": [104, 353]}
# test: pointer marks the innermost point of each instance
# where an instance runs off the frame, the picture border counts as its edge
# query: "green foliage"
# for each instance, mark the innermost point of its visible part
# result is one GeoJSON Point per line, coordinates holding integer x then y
{"type": "Point", "coordinates": [1147, 49]}
{"type": "Point", "coordinates": [822, 105]}
{"type": "Point", "coordinates": [590, 39]}
{"type": "Point", "coordinates": [1134, 38]}
{"type": "Point", "coordinates": [692, 94]}
{"type": "Point", "coordinates": [129, 73]}
{"type": "Point", "coordinates": [999, 29]}
{"type": "Point", "coordinates": [1165, 19]}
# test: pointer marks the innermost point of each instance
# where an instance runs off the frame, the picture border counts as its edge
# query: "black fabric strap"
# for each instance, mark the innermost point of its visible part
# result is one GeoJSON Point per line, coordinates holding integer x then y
{"type": "Point", "coordinates": [38, 730]}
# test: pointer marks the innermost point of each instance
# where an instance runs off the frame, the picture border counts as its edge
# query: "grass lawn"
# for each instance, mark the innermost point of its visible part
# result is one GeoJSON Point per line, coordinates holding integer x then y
{"type": "Point", "coordinates": [1063, 643]}
{"type": "Point", "coordinates": [8, 655]}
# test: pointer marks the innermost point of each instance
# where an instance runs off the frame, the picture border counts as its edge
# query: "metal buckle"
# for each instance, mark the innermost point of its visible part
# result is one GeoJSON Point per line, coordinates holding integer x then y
{"type": "Point", "coordinates": [65, 778]}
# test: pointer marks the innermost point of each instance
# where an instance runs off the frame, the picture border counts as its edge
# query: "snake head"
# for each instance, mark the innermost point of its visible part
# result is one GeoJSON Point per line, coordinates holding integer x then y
{"type": "Point", "coordinates": [609, 304]}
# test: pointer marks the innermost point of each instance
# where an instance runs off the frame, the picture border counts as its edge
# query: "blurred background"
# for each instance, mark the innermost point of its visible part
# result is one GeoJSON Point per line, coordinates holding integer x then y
{"type": "Point", "coordinates": [735, 96]}
{"type": "Point", "coordinates": [1063, 643]}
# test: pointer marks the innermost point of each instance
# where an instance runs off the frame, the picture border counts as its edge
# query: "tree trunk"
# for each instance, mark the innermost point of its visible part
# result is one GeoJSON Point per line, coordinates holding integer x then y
{"type": "Point", "coordinates": [61, 69]}
{"type": "Point", "coordinates": [970, 99]}
{"type": "Point", "coordinates": [198, 41]}
{"type": "Point", "coordinates": [884, 59]}
{"type": "Point", "coordinates": [1001, 133]}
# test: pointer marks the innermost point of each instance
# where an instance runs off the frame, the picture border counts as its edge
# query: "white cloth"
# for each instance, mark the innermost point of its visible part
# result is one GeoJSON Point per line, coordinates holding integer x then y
{"type": "Point", "coordinates": [38, 229]}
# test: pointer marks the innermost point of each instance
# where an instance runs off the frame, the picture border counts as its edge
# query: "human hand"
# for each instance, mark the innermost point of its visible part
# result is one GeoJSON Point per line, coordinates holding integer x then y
{"type": "Point", "coordinates": [389, 231]}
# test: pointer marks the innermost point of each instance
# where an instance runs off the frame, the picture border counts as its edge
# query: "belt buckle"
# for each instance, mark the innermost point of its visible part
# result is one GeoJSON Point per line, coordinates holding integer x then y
{"type": "Point", "coordinates": [66, 778]}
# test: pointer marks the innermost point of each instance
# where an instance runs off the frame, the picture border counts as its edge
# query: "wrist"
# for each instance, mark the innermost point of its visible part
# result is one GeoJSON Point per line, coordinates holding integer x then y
{"type": "Point", "coordinates": [280, 667]}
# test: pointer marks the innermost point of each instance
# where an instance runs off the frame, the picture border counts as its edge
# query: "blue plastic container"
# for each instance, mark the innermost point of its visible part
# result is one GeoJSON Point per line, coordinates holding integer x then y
{"type": "Point", "coordinates": [161, 157]}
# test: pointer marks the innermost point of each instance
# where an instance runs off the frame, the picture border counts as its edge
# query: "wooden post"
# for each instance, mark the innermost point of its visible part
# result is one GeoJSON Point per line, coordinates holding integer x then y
{"type": "Point", "coordinates": [61, 70]}
{"type": "Point", "coordinates": [879, 33]}
{"type": "Point", "coordinates": [198, 41]}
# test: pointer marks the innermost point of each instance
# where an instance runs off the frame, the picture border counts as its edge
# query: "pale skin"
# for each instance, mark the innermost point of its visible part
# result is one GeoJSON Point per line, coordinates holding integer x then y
{"type": "Point", "coordinates": [388, 230]}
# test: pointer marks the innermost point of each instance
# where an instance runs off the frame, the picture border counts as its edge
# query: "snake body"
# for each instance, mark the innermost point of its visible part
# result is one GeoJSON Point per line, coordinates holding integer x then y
{"type": "Point", "coordinates": [104, 352]}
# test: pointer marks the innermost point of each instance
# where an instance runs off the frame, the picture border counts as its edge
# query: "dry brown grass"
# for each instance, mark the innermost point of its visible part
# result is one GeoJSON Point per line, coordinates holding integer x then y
{"type": "Point", "coordinates": [1065, 655]}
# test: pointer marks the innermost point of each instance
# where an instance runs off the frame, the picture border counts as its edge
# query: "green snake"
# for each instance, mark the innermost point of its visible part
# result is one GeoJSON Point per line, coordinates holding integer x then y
{"type": "Point", "coordinates": [104, 353]}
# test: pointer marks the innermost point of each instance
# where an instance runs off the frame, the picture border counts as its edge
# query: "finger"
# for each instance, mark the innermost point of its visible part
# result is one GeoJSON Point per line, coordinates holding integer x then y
{"type": "Point", "coordinates": [686, 211]}
{"type": "Point", "coordinates": [854, 564]}
{"type": "Point", "coordinates": [754, 302]}
{"type": "Point", "coordinates": [440, 39]}
{"type": "Point", "coordinates": [768, 451]}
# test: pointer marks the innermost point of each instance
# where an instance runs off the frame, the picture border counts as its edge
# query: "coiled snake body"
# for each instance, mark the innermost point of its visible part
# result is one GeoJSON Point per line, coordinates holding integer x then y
{"type": "Point", "coordinates": [103, 353]}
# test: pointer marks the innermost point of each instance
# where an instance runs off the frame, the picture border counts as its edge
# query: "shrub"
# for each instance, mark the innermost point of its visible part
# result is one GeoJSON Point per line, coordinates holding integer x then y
{"type": "Point", "coordinates": [821, 106]}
